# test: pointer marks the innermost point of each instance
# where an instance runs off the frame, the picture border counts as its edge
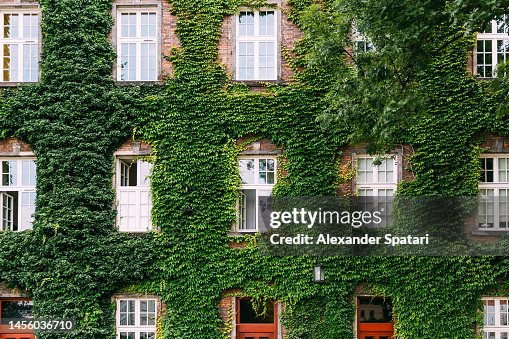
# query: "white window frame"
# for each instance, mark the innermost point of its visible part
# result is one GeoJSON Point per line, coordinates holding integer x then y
{"type": "Point", "coordinates": [260, 189]}
{"type": "Point", "coordinates": [138, 40]}
{"type": "Point", "coordinates": [257, 39]}
{"type": "Point", "coordinates": [379, 202]}
{"type": "Point", "coordinates": [492, 38]}
{"type": "Point", "coordinates": [497, 329]}
{"type": "Point", "coordinates": [496, 186]}
{"type": "Point", "coordinates": [360, 39]}
{"type": "Point", "coordinates": [20, 42]}
{"type": "Point", "coordinates": [137, 328]}
{"type": "Point", "coordinates": [375, 185]}
{"type": "Point", "coordinates": [24, 212]}
{"type": "Point", "coordinates": [141, 189]}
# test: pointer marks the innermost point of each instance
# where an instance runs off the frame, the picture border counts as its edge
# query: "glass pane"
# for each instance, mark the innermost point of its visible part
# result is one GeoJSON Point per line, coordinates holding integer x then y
{"type": "Point", "coordinates": [147, 335]}
{"type": "Point", "coordinates": [503, 313]}
{"type": "Point", "coordinates": [489, 312]}
{"type": "Point", "coordinates": [375, 310]}
{"type": "Point", "coordinates": [247, 171]}
{"type": "Point", "coordinates": [17, 309]}
{"type": "Point", "coordinates": [246, 23]}
{"type": "Point", "coordinates": [247, 210]}
{"type": "Point", "coordinates": [264, 314]}
{"type": "Point", "coordinates": [128, 25]}
{"type": "Point", "coordinates": [148, 24]}
{"type": "Point", "coordinates": [9, 173]}
{"type": "Point", "coordinates": [267, 23]}
{"type": "Point", "coordinates": [11, 26]}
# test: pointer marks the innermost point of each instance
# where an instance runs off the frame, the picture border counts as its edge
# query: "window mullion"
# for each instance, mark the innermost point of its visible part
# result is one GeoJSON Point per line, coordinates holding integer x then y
{"type": "Point", "coordinates": [119, 45]}
{"type": "Point", "coordinates": [256, 59]}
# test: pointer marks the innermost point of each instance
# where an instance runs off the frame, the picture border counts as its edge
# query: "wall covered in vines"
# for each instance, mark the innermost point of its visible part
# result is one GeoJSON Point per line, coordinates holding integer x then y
{"type": "Point", "coordinates": [76, 117]}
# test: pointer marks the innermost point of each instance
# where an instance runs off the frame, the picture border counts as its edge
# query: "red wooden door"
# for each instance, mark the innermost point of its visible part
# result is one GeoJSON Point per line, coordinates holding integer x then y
{"type": "Point", "coordinates": [15, 309]}
{"type": "Point", "coordinates": [374, 318]}
{"type": "Point", "coordinates": [17, 336]}
{"type": "Point", "coordinates": [257, 336]}
{"type": "Point", "coordinates": [250, 325]}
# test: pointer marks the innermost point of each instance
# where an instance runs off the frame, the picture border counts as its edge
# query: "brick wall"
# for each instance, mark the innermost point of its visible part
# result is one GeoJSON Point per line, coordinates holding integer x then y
{"type": "Point", "coordinates": [257, 147]}
{"type": "Point", "coordinates": [135, 147]}
{"type": "Point", "coordinates": [13, 146]}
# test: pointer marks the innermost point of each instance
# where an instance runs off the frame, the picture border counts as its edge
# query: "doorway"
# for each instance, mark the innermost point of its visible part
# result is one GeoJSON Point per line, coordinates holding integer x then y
{"type": "Point", "coordinates": [260, 323]}
{"type": "Point", "coordinates": [15, 309]}
{"type": "Point", "coordinates": [374, 318]}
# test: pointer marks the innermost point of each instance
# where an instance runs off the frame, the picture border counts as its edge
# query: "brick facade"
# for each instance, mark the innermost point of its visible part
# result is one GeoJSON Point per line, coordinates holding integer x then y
{"type": "Point", "coordinates": [14, 147]}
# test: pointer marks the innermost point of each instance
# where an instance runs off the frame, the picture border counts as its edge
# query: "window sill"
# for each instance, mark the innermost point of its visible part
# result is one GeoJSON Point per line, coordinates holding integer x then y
{"type": "Point", "coordinates": [136, 233]}
{"type": "Point", "coordinates": [16, 84]}
{"type": "Point", "coordinates": [240, 234]}
{"type": "Point", "coordinates": [138, 83]}
{"type": "Point", "coordinates": [490, 232]}
{"type": "Point", "coordinates": [259, 83]}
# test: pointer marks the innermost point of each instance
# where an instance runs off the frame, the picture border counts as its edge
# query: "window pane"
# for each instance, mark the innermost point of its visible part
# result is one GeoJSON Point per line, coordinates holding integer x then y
{"type": "Point", "coordinates": [148, 24]}
{"type": "Point", "coordinates": [247, 210]}
{"type": "Point", "coordinates": [128, 61]}
{"type": "Point", "coordinates": [487, 170]}
{"type": "Point", "coordinates": [365, 170]}
{"type": "Point", "coordinates": [17, 309]}
{"type": "Point", "coordinates": [11, 26]}
{"type": "Point", "coordinates": [246, 60]}
{"type": "Point", "coordinates": [147, 335]}
{"type": "Point", "coordinates": [30, 25]}
{"type": "Point", "coordinates": [148, 61]}
{"type": "Point", "coordinates": [247, 171]}
{"type": "Point", "coordinates": [503, 313]}
{"type": "Point", "coordinates": [267, 23]}
{"type": "Point", "coordinates": [246, 23]}
{"type": "Point", "coordinates": [250, 315]}
{"type": "Point", "coordinates": [128, 25]}
{"type": "Point", "coordinates": [9, 173]}
{"type": "Point", "coordinates": [489, 312]}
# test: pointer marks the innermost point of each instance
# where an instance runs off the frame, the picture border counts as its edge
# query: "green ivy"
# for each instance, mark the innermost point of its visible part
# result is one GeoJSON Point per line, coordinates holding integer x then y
{"type": "Point", "coordinates": [76, 117]}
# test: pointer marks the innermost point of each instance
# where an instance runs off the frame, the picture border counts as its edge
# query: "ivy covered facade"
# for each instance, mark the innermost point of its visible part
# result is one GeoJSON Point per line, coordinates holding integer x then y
{"type": "Point", "coordinates": [136, 133]}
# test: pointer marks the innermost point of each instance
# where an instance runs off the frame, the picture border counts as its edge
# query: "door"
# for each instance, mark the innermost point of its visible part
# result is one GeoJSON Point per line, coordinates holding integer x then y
{"type": "Point", "coordinates": [259, 323]}
{"type": "Point", "coordinates": [257, 336]}
{"type": "Point", "coordinates": [374, 318]}
{"type": "Point", "coordinates": [15, 310]}
{"type": "Point", "coordinates": [17, 336]}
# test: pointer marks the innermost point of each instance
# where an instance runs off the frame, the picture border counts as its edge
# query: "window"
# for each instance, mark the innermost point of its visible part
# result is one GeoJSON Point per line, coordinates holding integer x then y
{"type": "Point", "coordinates": [258, 176]}
{"type": "Point", "coordinates": [494, 190]}
{"type": "Point", "coordinates": [133, 194]}
{"type": "Point", "coordinates": [136, 318]}
{"type": "Point", "coordinates": [361, 41]}
{"type": "Point", "coordinates": [496, 318]}
{"type": "Point", "coordinates": [17, 193]}
{"type": "Point", "coordinates": [256, 56]}
{"type": "Point", "coordinates": [377, 181]}
{"type": "Point", "coordinates": [20, 46]}
{"type": "Point", "coordinates": [492, 48]}
{"type": "Point", "coordinates": [137, 44]}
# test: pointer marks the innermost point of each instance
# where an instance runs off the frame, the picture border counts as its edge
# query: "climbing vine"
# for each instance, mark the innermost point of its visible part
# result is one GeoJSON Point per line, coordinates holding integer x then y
{"type": "Point", "coordinates": [76, 117]}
